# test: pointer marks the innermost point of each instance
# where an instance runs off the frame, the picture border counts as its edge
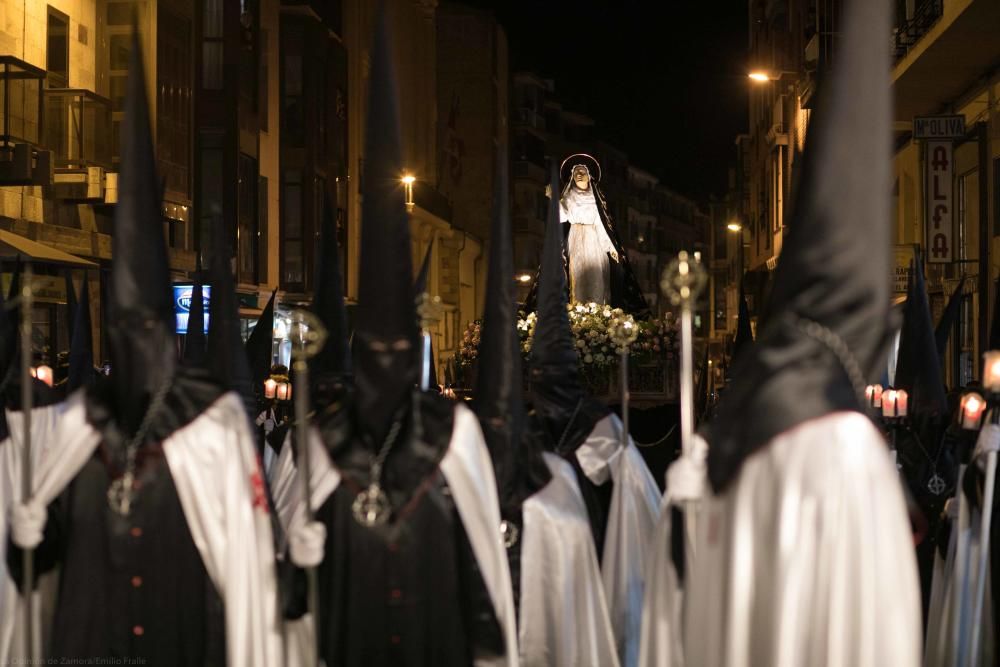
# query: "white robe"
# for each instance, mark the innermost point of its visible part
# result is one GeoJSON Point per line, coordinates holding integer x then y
{"type": "Point", "coordinates": [955, 584]}
{"type": "Point", "coordinates": [468, 470]}
{"type": "Point", "coordinates": [632, 519]}
{"type": "Point", "coordinates": [43, 423]}
{"type": "Point", "coordinates": [588, 246]}
{"type": "Point", "coordinates": [563, 617]}
{"type": "Point", "coordinates": [214, 466]}
{"type": "Point", "coordinates": [807, 558]}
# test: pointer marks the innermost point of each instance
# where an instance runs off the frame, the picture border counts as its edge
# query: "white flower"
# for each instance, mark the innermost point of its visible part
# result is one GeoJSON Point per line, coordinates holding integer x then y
{"type": "Point", "coordinates": [588, 359]}
{"type": "Point", "coordinates": [581, 343]}
{"type": "Point", "coordinates": [580, 308]}
{"type": "Point", "coordinates": [599, 357]}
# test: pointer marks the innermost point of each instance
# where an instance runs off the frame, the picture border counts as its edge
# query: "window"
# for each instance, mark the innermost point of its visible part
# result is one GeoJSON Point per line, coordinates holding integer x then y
{"type": "Point", "coordinates": [262, 229]}
{"type": "Point", "coordinates": [173, 103]}
{"type": "Point", "coordinates": [292, 255]}
{"type": "Point", "coordinates": [119, 40]}
{"type": "Point", "coordinates": [210, 207]}
{"type": "Point", "coordinates": [292, 109]}
{"type": "Point", "coordinates": [246, 223]}
{"type": "Point", "coordinates": [211, 45]}
{"type": "Point", "coordinates": [57, 49]}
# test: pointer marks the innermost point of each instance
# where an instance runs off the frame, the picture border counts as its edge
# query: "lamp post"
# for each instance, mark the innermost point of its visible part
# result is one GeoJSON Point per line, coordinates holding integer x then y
{"type": "Point", "coordinates": [408, 180]}
{"type": "Point", "coordinates": [761, 75]}
{"type": "Point", "coordinates": [736, 228]}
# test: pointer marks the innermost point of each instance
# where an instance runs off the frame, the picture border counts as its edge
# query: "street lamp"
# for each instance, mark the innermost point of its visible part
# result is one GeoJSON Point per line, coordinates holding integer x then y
{"type": "Point", "coordinates": [408, 180]}
{"type": "Point", "coordinates": [734, 227]}
{"type": "Point", "coordinates": [764, 75]}
{"type": "Point", "coordinates": [524, 277]}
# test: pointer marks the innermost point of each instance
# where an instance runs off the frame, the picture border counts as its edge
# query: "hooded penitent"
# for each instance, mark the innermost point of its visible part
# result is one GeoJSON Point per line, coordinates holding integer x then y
{"type": "Point", "coordinates": [918, 366]}
{"type": "Point", "coordinates": [227, 357]}
{"type": "Point", "coordinates": [330, 369]}
{"type": "Point", "coordinates": [824, 330]}
{"type": "Point", "coordinates": [406, 522]}
{"type": "Point", "coordinates": [81, 349]}
{"type": "Point", "coordinates": [808, 539]}
{"type": "Point", "coordinates": [156, 474]}
{"type": "Point", "coordinates": [518, 463]}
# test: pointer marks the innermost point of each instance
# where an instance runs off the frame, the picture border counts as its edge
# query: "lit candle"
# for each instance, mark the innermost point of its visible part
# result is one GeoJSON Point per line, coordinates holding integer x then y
{"type": "Point", "coordinates": [991, 371]}
{"type": "Point", "coordinates": [901, 402]}
{"type": "Point", "coordinates": [43, 373]}
{"type": "Point", "coordinates": [889, 403]}
{"type": "Point", "coordinates": [971, 411]}
{"type": "Point", "coordinates": [873, 393]}
{"type": "Point", "coordinates": [284, 391]}
{"type": "Point", "coordinates": [269, 388]}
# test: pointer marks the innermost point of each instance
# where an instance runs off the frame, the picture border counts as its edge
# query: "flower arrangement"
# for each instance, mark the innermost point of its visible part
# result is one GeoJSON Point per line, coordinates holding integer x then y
{"type": "Point", "coordinates": [657, 341]}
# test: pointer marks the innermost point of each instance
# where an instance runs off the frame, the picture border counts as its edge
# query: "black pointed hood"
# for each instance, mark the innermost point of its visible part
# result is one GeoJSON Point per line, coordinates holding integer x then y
{"type": "Point", "coordinates": [81, 349]}
{"type": "Point", "coordinates": [918, 367]}
{"type": "Point", "coordinates": [260, 345]}
{"type": "Point", "coordinates": [942, 332]}
{"type": "Point", "coordinates": [227, 357]}
{"type": "Point", "coordinates": [833, 273]}
{"type": "Point", "coordinates": [518, 463]}
{"type": "Point", "coordinates": [331, 368]}
{"type": "Point", "coordinates": [561, 405]}
{"type": "Point", "coordinates": [386, 349]}
{"type": "Point", "coordinates": [744, 333]}
{"type": "Point", "coordinates": [141, 322]}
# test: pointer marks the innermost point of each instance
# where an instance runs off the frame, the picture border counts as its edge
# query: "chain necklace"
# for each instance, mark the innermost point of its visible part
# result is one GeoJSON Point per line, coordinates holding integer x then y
{"type": "Point", "coordinates": [936, 484]}
{"type": "Point", "coordinates": [122, 490]}
{"type": "Point", "coordinates": [371, 507]}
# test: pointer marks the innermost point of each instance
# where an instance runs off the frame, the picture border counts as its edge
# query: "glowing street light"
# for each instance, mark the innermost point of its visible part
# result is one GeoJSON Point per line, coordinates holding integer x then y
{"type": "Point", "coordinates": [524, 278]}
{"type": "Point", "coordinates": [759, 76]}
{"type": "Point", "coordinates": [408, 180]}
{"type": "Point", "coordinates": [763, 75]}
{"type": "Point", "coordinates": [734, 227]}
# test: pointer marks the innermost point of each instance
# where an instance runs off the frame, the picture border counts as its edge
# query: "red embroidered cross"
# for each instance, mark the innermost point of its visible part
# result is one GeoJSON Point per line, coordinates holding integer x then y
{"type": "Point", "coordinates": [259, 493]}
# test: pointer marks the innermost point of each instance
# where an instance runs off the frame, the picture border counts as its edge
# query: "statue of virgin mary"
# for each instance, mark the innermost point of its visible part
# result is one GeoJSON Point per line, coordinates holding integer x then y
{"type": "Point", "coordinates": [597, 265]}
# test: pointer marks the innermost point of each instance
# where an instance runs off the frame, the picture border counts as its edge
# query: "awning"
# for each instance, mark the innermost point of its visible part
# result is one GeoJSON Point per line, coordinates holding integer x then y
{"type": "Point", "coordinates": [14, 245]}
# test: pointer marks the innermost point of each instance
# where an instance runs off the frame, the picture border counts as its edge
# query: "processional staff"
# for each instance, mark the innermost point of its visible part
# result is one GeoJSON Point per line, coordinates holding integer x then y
{"type": "Point", "coordinates": [308, 335]}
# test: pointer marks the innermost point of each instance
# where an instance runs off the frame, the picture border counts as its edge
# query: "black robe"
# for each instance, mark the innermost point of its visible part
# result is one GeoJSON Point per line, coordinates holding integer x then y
{"type": "Point", "coordinates": [131, 587]}
{"type": "Point", "coordinates": [408, 592]}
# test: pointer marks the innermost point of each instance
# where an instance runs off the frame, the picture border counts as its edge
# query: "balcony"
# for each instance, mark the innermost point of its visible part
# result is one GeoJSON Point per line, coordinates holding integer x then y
{"type": "Point", "coordinates": [78, 128]}
{"type": "Point", "coordinates": [78, 131]}
{"type": "Point", "coordinates": [529, 118]}
{"type": "Point", "coordinates": [21, 113]}
{"type": "Point", "coordinates": [909, 31]}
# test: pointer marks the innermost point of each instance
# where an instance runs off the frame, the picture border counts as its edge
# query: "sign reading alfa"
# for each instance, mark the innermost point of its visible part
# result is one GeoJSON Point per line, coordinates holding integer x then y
{"type": "Point", "coordinates": [939, 202]}
{"type": "Point", "coordinates": [938, 127]}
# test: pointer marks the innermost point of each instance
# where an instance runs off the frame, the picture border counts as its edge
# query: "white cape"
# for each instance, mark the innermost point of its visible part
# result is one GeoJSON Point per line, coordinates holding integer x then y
{"type": "Point", "coordinates": [632, 519]}
{"type": "Point", "coordinates": [955, 584]}
{"type": "Point", "coordinates": [807, 558]}
{"type": "Point", "coordinates": [43, 424]}
{"type": "Point", "coordinates": [563, 617]}
{"type": "Point", "coordinates": [468, 470]}
{"type": "Point", "coordinates": [214, 466]}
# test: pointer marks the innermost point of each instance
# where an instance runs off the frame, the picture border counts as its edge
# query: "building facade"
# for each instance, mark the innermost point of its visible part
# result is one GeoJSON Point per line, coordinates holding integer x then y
{"type": "Point", "coordinates": [945, 63]}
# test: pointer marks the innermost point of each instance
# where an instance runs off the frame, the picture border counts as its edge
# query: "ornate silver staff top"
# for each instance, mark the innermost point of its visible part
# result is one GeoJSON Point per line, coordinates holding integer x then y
{"type": "Point", "coordinates": [682, 282]}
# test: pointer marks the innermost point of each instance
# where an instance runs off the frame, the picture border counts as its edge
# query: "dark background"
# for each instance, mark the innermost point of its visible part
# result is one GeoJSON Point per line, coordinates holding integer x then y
{"type": "Point", "coordinates": [664, 81]}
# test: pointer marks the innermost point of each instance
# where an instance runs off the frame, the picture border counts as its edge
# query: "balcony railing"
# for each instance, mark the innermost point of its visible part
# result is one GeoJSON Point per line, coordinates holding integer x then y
{"type": "Point", "coordinates": [78, 128]}
{"type": "Point", "coordinates": [21, 107]}
{"type": "Point", "coordinates": [910, 30]}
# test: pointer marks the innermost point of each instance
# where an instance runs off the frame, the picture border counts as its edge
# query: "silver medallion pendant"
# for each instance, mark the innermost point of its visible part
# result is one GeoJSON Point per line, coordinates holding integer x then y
{"type": "Point", "coordinates": [936, 485]}
{"type": "Point", "coordinates": [120, 494]}
{"type": "Point", "coordinates": [509, 532]}
{"type": "Point", "coordinates": [371, 507]}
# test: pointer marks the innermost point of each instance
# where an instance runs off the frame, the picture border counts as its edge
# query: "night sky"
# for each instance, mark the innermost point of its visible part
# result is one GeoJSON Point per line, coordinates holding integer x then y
{"type": "Point", "coordinates": [666, 82]}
